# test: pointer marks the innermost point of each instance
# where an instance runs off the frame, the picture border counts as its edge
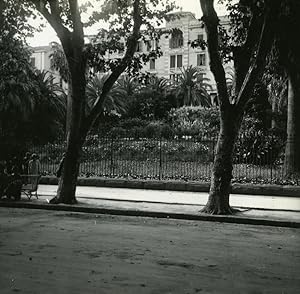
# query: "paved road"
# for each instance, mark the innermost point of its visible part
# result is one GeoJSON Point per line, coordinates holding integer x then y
{"type": "Point", "coordinates": [60, 252]}
{"type": "Point", "coordinates": [198, 198]}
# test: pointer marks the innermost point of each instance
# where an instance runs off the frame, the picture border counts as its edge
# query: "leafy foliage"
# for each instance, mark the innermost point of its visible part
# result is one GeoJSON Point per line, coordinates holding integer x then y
{"type": "Point", "coordinates": [194, 121]}
{"type": "Point", "coordinates": [113, 41]}
{"type": "Point", "coordinates": [193, 90]}
{"type": "Point", "coordinates": [115, 101]}
{"type": "Point", "coordinates": [151, 100]}
{"type": "Point", "coordinates": [59, 61]}
{"type": "Point", "coordinates": [14, 15]}
{"type": "Point", "coordinates": [259, 148]}
{"type": "Point", "coordinates": [29, 102]}
{"type": "Point", "coordinates": [259, 108]}
{"type": "Point", "coordinates": [49, 112]}
{"type": "Point", "coordinates": [17, 80]}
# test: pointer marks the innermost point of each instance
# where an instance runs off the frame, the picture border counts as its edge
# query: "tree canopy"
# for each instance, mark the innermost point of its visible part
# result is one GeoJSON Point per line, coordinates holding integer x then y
{"type": "Point", "coordinates": [29, 100]}
{"type": "Point", "coordinates": [113, 50]}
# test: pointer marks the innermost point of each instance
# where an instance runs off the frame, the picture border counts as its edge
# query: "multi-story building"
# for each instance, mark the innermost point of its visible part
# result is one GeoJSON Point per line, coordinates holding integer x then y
{"type": "Point", "coordinates": [41, 59]}
{"type": "Point", "coordinates": [178, 52]}
{"type": "Point", "coordinates": [176, 48]}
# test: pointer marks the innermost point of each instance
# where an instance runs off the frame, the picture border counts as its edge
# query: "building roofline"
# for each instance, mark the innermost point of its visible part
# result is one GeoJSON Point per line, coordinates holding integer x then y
{"type": "Point", "coordinates": [182, 13]}
{"type": "Point", "coordinates": [40, 48]}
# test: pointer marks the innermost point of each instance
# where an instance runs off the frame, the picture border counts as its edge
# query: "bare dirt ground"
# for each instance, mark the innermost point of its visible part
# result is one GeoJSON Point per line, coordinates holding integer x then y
{"type": "Point", "coordinates": [60, 252]}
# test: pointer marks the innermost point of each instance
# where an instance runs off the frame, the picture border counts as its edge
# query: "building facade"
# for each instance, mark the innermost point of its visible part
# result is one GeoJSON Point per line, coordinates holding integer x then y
{"type": "Point", "coordinates": [176, 48]}
{"type": "Point", "coordinates": [178, 52]}
{"type": "Point", "coordinates": [41, 59]}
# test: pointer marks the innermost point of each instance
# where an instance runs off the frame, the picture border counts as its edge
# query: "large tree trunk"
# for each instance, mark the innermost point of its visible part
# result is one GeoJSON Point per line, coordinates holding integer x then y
{"type": "Point", "coordinates": [69, 111]}
{"type": "Point", "coordinates": [75, 139]}
{"type": "Point", "coordinates": [218, 201]}
{"type": "Point", "coordinates": [292, 154]}
{"type": "Point", "coordinates": [249, 65]}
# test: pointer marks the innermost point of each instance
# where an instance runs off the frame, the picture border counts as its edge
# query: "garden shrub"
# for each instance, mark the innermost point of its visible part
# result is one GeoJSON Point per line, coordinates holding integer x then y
{"type": "Point", "coordinates": [258, 144]}
{"type": "Point", "coordinates": [137, 128]}
{"type": "Point", "coordinates": [157, 129]}
{"type": "Point", "coordinates": [51, 152]}
{"type": "Point", "coordinates": [259, 148]}
{"type": "Point", "coordinates": [149, 104]}
{"type": "Point", "coordinates": [194, 121]}
{"type": "Point", "coordinates": [130, 123]}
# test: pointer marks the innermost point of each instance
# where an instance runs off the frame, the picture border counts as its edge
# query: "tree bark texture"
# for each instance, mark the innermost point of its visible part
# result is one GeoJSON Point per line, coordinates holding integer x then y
{"type": "Point", "coordinates": [255, 49]}
{"type": "Point", "coordinates": [67, 184]}
{"type": "Point", "coordinates": [292, 149]}
{"type": "Point", "coordinates": [220, 188]}
{"type": "Point", "coordinates": [79, 122]}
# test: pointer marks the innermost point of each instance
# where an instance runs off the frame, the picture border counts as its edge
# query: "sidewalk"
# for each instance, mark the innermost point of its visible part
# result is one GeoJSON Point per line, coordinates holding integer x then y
{"type": "Point", "coordinates": [260, 210]}
{"type": "Point", "coordinates": [177, 197]}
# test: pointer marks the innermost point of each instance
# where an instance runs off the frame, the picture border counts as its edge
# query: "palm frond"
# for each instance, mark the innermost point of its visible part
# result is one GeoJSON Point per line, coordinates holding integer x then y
{"type": "Point", "coordinates": [193, 88]}
{"type": "Point", "coordinates": [115, 100]}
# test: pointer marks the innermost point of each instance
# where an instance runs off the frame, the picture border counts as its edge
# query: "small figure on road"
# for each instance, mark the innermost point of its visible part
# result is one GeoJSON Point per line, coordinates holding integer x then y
{"type": "Point", "coordinates": [34, 165]}
{"type": "Point", "coordinates": [13, 189]}
{"type": "Point", "coordinates": [16, 167]}
{"type": "Point", "coordinates": [25, 163]}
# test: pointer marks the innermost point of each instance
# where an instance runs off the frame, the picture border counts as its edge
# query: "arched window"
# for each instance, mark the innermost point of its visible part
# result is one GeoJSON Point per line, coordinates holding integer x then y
{"type": "Point", "coordinates": [176, 40]}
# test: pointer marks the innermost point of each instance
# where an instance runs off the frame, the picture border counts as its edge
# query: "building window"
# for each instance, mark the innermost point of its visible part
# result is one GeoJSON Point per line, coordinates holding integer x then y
{"type": "Point", "coordinates": [175, 77]}
{"type": "Point", "coordinates": [152, 63]}
{"type": "Point", "coordinates": [200, 59]}
{"type": "Point", "coordinates": [172, 61]}
{"type": "Point", "coordinates": [151, 45]}
{"type": "Point", "coordinates": [200, 37]}
{"type": "Point", "coordinates": [139, 46]}
{"type": "Point", "coordinates": [179, 60]}
{"type": "Point", "coordinates": [148, 45]}
{"type": "Point", "coordinates": [32, 61]}
{"type": "Point", "coordinates": [176, 40]}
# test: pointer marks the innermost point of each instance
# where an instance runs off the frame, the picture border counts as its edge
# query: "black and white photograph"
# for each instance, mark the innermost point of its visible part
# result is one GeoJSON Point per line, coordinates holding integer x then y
{"type": "Point", "coordinates": [149, 146]}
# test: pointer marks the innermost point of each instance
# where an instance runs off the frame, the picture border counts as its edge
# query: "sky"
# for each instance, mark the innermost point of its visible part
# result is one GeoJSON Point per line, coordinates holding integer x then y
{"type": "Point", "coordinates": [48, 35]}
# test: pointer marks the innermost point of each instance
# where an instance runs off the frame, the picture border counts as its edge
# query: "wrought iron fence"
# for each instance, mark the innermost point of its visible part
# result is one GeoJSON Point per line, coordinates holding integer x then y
{"type": "Point", "coordinates": [257, 158]}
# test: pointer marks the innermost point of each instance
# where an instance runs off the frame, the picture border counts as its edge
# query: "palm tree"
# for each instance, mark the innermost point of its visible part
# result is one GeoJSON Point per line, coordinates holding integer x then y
{"type": "Point", "coordinates": [160, 85]}
{"type": "Point", "coordinates": [50, 109]}
{"type": "Point", "coordinates": [128, 84]}
{"type": "Point", "coordinates": [51, 95]}
{"type": "Point", "coordinates": [192, 88]}
{"type": "Point", "coordinates": [17, 83]}
{"type": "Point", "coordinates": [115, 101]}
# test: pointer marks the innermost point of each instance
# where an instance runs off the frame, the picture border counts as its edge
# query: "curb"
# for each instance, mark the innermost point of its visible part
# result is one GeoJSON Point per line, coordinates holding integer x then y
{"type": "Point", "coordinates": [249, 189]}
{"type": "Point", "coordinates": [154, 214]}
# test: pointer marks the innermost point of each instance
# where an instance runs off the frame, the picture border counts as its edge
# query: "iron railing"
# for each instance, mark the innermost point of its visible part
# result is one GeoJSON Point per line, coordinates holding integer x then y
{"type": "Point", "coordinates": [256, 160]}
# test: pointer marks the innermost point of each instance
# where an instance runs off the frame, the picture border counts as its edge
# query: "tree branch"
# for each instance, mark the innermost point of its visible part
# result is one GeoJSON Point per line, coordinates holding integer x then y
{"type": "Point", "coordinates": [76, 19]}
{"type": "Point", "coordinates": [131, 45]}
{"type": "Point", "coordinates": [264, 46]}
{"type": "Point", "coordinates": [211, 22]}
{"type": "Point", "coordinates": [242, 55]}
{"type": "Point", "coordinates": [53, 18]}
